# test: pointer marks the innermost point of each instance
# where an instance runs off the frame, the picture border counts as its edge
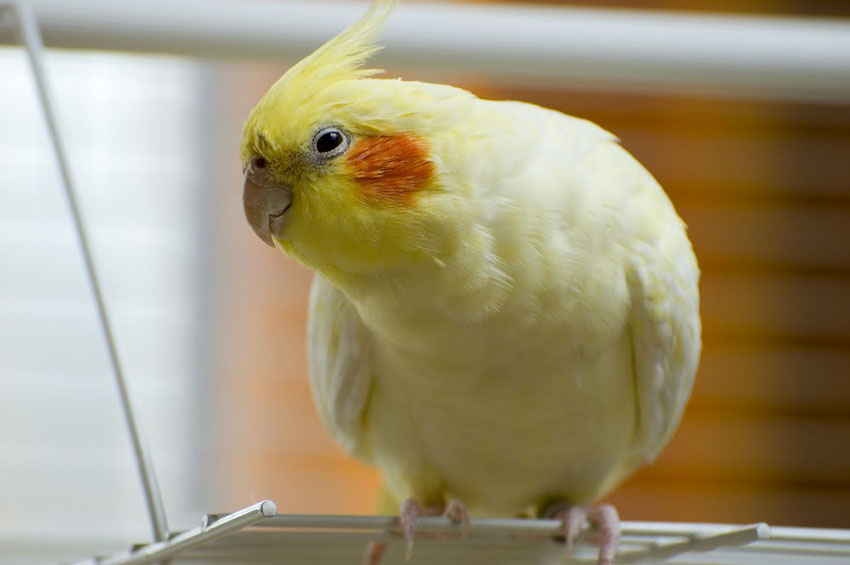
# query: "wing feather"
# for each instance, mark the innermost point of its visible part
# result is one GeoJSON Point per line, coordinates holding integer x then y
{"type": "Point", "coordinates": [339, 352]}
{"type": "Point", "coordinates": [665, 330]}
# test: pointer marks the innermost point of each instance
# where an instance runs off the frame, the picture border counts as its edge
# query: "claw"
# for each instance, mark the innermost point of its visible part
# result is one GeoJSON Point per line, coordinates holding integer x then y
{"type": "Point", "coordinates": [411, 510]}
{"type": "Point", "coordinates": [573, 520]}
{"type": "Point", "coordinates": [374, 552]}
{"type": "Point", "coordinates": [456, 512]}
{"type": "Point", "coordinates": [604, 517]}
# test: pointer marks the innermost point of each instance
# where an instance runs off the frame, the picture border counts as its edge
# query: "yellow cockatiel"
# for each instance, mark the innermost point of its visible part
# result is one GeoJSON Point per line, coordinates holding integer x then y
{"type": "Point", "coordinates": [505, 312]}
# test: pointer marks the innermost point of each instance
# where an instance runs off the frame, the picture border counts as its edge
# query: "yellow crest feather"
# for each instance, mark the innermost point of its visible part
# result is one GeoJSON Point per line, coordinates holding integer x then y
{"type": "Point", "coordinates": [343, 56]}
{"type": "Point", "coordinates": [340, 59]}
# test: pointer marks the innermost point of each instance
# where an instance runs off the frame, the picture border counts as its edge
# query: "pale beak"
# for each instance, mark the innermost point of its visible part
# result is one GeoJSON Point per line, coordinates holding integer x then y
{"type": "Point", "coordinates": [265, 206]}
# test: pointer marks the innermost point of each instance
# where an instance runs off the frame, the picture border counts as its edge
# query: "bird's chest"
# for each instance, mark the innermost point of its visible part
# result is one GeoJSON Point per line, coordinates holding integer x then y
{"type": "Point", "coordinates": [497, 417]}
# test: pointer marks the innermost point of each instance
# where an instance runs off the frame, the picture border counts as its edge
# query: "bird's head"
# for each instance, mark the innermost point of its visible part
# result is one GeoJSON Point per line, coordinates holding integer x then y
{"type": "Point", "coordinates": [341, 171]}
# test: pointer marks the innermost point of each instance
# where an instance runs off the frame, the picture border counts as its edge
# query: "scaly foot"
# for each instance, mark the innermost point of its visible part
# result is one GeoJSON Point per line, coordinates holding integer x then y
{"type": "Point", "coordinates": [604, 517]}
{"type": "Point", "coordinates": [456, 512]}
{"type": "Point", "coordinates": [411, 511]}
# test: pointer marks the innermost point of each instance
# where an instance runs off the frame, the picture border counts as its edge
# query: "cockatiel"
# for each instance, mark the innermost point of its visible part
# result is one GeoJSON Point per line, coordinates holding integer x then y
{"type": "Point", "coordinates": [505, 313]}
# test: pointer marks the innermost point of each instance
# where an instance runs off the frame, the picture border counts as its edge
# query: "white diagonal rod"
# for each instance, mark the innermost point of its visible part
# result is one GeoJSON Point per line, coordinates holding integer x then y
{"type": "Point", "coordinates": [700, 542]}
{"type": "Point", "coordinates": [31, 38]}
{"type": "Point", "coordinates": [161, 551]}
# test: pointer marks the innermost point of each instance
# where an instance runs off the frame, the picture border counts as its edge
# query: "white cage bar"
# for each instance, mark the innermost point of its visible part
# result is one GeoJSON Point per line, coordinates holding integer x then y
{"type": "Point", "coordinates": [717, 54]}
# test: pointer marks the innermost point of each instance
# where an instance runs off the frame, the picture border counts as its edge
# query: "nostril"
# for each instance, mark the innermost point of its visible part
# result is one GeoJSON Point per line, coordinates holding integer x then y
{"type": "Point", "coordinates": [259, 162]}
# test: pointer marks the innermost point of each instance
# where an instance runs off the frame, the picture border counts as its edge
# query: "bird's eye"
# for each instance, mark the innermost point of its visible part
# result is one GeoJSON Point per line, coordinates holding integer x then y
{"type": "Point", "coordinates": [259, 162]}
{"type": "Point", "coordinates": [330, 142]}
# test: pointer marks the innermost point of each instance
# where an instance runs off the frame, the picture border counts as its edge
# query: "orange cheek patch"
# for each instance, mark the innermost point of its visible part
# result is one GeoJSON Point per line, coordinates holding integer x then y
{"type": "Point", "coordinates": [390, 169]}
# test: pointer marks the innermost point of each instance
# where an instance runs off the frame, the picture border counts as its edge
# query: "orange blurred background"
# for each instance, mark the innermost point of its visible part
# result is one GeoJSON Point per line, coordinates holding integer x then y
{"type": "Point", "coordinates": [765, 189]}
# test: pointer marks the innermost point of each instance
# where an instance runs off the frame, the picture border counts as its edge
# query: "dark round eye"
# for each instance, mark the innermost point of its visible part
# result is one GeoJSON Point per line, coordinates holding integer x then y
{"type": "Point", "coordinates": [330, 142]}
{"type": "Point", "coordinates": [259, 162]}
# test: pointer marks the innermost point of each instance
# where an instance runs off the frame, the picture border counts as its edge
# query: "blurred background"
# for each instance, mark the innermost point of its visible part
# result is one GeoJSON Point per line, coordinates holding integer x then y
{"type": "Point", "coordinates": [211, 323]}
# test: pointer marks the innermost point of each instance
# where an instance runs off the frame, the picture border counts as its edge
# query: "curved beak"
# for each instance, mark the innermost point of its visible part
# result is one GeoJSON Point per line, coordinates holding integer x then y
{"type": "Point", "coordinates": [265, 206]}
